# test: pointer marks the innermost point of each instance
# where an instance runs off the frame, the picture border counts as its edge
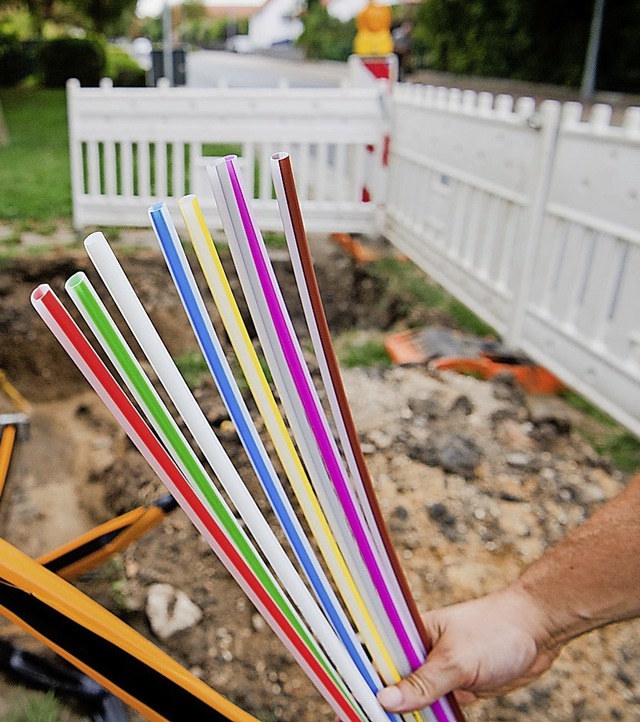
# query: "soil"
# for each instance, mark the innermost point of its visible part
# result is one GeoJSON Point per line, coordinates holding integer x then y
{"type": "Point", "coordinates": [475, 479]}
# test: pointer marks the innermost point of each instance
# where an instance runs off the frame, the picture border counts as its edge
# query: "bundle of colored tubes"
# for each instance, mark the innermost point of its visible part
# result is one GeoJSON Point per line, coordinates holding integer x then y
{"type": "Point", "coordinates": [351, 643]}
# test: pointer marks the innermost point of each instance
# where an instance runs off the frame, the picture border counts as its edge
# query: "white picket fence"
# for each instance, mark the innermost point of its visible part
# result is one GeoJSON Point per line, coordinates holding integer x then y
{"type": "Point", "coordinates": [133, 147]}
{"type": "Point", "coordinates": [528, 215]}
{"type": "Point", "coordinates": [531, 217]}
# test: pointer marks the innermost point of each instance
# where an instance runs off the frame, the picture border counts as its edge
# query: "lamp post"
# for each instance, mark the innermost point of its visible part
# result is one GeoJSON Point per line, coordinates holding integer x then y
{"type": "Point", "coordinates": [167, 43]}
{"type": "Point", "coordinates": [587, 87]}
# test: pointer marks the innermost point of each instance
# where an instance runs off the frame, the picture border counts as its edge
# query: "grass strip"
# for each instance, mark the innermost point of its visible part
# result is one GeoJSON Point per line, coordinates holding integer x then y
{"type": "Point", "coordinates": [35, 182]}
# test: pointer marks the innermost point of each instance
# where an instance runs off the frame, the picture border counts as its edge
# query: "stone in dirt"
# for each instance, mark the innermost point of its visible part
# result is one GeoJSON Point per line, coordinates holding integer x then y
{"type": "Point", "coordinates": [455, 453]}
{"type": "Point", "coordinates": [169, 610]}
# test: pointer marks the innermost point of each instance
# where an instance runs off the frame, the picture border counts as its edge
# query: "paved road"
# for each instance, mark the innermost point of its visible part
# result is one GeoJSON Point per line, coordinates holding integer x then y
{"type": "Point", "coordinates": [208, 68]}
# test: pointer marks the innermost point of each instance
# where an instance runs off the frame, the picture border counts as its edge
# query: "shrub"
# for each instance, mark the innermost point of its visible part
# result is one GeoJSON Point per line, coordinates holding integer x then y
{"type": "Point", "coordinates": [532, 41]}
{"type": "Point", "coordinates": [15, 61]}
{"type": "Point", "coordinates": [203, 32]}
{"type": "Point", "coordinates": [123, 69]}
{"type": "Point", "coordinates": [325, 37]}
{"type": "Point", "coordinates": [130, 78]}
{"type": "Point", "coordinates": [66, 58]}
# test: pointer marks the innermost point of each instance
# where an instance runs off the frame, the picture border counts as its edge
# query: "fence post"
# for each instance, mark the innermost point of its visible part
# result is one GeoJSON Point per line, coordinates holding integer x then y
{"type": "Point", "coordinates": [550, 126]}
{"type": "Point", "coordinates": [380, 72]}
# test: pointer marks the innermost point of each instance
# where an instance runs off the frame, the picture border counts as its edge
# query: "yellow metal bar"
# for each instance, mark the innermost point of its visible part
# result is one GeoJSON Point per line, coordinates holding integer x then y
{"type": "Point", "coordinates": [6, 448]}
{"type": "Point", "coordinates": [133, 526]}
{"type": "Point", "coordinates": [13, 394]}
{"type": "Point", "coordinates": [42, 587]}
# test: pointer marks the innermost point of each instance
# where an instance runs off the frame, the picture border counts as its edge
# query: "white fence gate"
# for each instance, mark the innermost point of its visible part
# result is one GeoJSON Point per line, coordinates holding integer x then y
{"type": "Point", "coordinates": [133, 147]}
{"type": "Point", "coordinates": [532, 219]}
{"type": "Point", "coordinates": [529, 216]}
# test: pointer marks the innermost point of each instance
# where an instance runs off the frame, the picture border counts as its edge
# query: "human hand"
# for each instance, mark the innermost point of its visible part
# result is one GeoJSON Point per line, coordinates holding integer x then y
{"type": "Point", "coordinates": [482, 648]}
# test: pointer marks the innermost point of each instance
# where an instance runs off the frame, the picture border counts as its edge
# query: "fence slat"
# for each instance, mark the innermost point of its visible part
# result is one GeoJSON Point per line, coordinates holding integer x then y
{"type": "Point", "coordinates": [178, 188]}
{"type": "Point", "coordinates": [126, 169]}
{"type": "Point", "coordinates": [264, 190]}
{"type": "Point", "coordinates": [160, 170]}
{"type": "Point", "coordinates": [110, 181]}
{"type": "Point", "coordinates": [144, 169]}
{"type": "Point", "coordinates": [303, 170]}
{"type": "Point", "coordinates": [93, 168]}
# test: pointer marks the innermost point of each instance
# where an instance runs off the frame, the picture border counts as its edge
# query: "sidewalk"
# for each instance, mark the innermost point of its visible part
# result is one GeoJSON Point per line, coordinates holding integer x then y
{"type": "Point", "coordinates": [51, 235]}
{"type": "Point", "coordinates": [59, 236]}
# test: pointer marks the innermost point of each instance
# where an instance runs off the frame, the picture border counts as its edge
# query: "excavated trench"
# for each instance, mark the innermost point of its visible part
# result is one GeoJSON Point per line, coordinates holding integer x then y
{"type": "Point", "coordinates": [461, 531]}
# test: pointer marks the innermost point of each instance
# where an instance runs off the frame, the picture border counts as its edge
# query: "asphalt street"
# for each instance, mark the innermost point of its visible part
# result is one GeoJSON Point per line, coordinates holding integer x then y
{"type": "Point", "coordinates": [209, 68]}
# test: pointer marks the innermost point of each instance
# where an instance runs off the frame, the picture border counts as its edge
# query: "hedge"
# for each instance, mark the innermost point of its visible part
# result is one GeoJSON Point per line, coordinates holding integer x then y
{"type": "Point", "coordinates": [66, 58]}
{"type": "Point", "coordinates": [16, 61]}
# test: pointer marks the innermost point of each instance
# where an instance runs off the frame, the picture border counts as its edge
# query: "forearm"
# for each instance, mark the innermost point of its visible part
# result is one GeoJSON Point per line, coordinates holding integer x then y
{"type": "Point", "coordinates": [505, 640]}
{"type": "Point", "coordinates": [592, 577]}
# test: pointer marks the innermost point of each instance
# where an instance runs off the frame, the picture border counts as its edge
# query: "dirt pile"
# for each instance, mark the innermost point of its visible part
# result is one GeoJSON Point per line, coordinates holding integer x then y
{"type": "Point", "coordinates": [475, 479]}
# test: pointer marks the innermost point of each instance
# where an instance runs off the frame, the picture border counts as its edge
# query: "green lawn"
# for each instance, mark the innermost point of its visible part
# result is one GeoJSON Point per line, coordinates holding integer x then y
{"type": "Point", "coordinates": [34, 169]}
{"type": "Point", "coordinates": [35, 183]}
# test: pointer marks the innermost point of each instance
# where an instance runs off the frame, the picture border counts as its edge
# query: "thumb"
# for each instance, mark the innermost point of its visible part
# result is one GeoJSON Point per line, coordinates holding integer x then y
{"type": "Point", "coordinates": [423, 687]}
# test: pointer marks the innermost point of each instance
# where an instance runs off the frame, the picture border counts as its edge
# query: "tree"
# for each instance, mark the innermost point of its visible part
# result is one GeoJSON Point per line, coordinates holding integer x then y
{"type": "Point", "coordinates": [192, 10]}
{"type": "Point", "coordinates": [475, 37]}
{"type": "Point", "coordinates": [533, 40]}
{"type": "Point", "coordinates": [105, 15]}
{"type": "Point", "coordinates": [101, 16]}
{"type": "Point", "coordinates": [325, 36]}
{"type": "Point", "coordinates": [39, 11]}
{"type": "Point", "coordinates": [618, 64]}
